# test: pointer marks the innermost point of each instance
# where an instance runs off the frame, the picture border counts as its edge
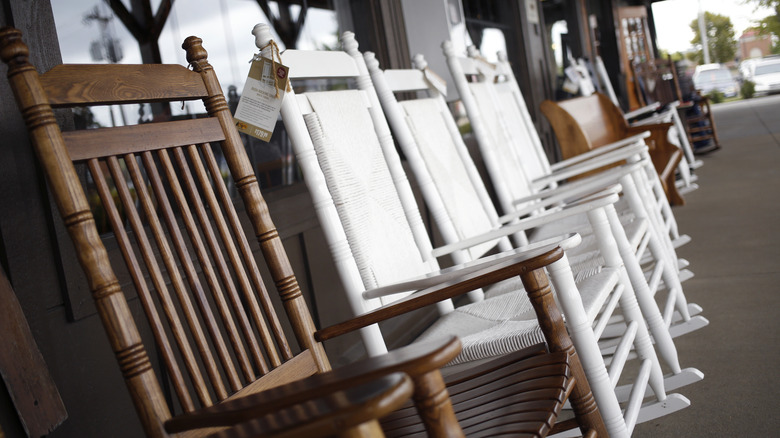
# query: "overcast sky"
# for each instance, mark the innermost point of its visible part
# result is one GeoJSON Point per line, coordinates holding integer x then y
{"type": "Point", "coordinates": [673, 18]}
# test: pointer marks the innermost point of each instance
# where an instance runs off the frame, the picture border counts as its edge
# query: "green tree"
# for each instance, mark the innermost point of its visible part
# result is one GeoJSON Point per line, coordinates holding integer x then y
{"type": "Point", "coordinates": [769, 25]}
{"type": "Point", "coordinates": [720, 37]}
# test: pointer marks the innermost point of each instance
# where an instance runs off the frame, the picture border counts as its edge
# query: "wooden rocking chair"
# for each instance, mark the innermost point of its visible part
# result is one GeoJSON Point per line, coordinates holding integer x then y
{"type": "Point", "coordinates": [230, 363]}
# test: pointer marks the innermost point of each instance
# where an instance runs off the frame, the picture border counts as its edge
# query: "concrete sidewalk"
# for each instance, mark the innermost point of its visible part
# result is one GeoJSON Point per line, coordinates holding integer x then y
{"type": "Point", "coordinates": [733, 219]}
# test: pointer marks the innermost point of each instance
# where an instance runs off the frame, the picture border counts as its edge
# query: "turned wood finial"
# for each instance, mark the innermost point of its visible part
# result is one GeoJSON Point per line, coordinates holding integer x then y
{"type": "Point", "coordinates": [196, 54]}
{"type": "Point", "coordinates": [349, 43]}
{"type": "Point", "coordinates": [13, 51]}
{"type": "Point", "coordinates": [419, 62]}
{"type": "Point", "coordinates": [472, 51]}
{"type": "Point", "coordinates": [371, 62]}
{"type": "Point", "coordinates": [501, 56]}
{"type": "Point", "coordinates": [262, 33]}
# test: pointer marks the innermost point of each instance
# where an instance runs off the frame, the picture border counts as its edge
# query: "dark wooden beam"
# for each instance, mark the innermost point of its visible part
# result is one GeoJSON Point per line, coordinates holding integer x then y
{"type": "Point", "coordinates": [161, 16]}
{"type": "Point", "coordinates": [127, 19]}
{"type": "Point", "coordinates": [24, 371]}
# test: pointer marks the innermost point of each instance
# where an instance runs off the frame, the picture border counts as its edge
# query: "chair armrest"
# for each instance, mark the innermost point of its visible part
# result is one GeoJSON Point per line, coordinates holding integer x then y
{"type": "Point", "coordinates": [654, 128]}
{"type": "Point", "coordinates": [416, 359]}
{"type": "Point", "coordinates": [623, 151]}
{"type": "Point", "coordinates": [605, 198]}
{"type": "Point", "coordinates": [567, 192]}
{"type": "Point", "coordinates": [449, 283]}
{"type": "Point", "coordinates": [644, 110]}
{"type": "Point", "coordinates": [597, 152]}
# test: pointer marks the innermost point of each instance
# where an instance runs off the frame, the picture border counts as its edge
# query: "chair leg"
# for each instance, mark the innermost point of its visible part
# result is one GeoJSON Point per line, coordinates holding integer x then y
{"type": "Point", "coordinates": [586, 362]}
{"type": "Point", "coordinates": [615, 249]}
{"type": "Point", "coordinates": [434, 406]}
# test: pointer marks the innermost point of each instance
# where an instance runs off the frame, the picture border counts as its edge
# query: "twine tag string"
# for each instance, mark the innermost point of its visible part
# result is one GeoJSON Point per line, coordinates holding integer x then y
{"type": "Point", "coordinates": [274, 56]}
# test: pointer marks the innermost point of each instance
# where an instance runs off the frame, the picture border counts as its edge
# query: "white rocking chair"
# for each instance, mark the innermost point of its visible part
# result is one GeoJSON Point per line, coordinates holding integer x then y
{"type": "Point", "coordinates": [505, 133]}
{"type": "Point", "coordinates": [458, 200]}
{"type": "Point", "coordinates": [363, 215]}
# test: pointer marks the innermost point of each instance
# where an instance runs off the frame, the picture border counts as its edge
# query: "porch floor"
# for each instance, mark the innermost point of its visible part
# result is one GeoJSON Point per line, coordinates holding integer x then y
{"type": "Point", "coordinates": [733, 219]}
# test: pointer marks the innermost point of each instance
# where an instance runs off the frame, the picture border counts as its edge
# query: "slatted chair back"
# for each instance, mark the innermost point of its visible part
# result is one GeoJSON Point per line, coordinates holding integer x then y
{"type": "Point", "coordinates": [191, 264]}
{"type": "Point", "coordinates": [451, 204]}
{"type": "Point", "coordinates": [499, 118]}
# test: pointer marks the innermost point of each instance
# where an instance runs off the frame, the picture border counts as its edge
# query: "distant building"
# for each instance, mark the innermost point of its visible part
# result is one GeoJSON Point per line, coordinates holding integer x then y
{"type": "Point", "coordinates": [754, 45]}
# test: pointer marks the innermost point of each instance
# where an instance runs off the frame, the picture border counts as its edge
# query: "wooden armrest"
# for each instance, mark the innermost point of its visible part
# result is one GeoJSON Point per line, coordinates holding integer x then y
{"type": "Point", "coordinates": [415, 360]}
{"type": "Point", "coordinates": [653, 128]}
{"type": "Point", "coordinates": [488, 270]}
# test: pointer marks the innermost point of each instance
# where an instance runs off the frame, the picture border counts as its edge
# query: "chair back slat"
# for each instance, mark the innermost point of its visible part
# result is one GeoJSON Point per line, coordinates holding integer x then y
{"type": "Point", "coordinates": [104, 142]}
{"type": "Point", "coordinates": [74, 84]}
{"type": "Point", "coordinates": [259, 290]}
{"type": "Point", "coordinates": [96, 169]}
{"type": "Point", "coordinates": [185, 257]}
{"type": "Point", "coordinates": [319, 64]}
{"type": "Point", "coordinates": [211, 257]}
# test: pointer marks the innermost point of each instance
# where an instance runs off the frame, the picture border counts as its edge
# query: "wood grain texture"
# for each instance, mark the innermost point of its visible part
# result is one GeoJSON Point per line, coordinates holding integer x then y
{"type": "Point", "coordinates": [105, 142]}
{"type": "Point", "coordinates": [23, 369]}
{"type": "Point", "coordinates": [70, 85]}
{"type": "Point", "coordinates": [585, 123]}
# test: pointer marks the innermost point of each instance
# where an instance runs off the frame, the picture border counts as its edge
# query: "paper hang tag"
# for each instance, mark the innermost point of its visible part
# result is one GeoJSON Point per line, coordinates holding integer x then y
{"type": "Point", "coordinates": [435, 81]}
{"type": "Point", "coordinates": [261, 99]}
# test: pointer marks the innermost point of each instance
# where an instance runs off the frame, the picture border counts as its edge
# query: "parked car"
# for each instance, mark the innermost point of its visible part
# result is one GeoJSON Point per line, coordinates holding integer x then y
{"type": "Point", "coordinates": [766, 75]}
{"type": "Point", "coordinates": [711, 78]}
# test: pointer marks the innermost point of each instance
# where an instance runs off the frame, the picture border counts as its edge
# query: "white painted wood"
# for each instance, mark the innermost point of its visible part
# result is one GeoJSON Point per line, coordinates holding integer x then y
{"type": "Point", "coordinates": [401, 128]}
{"type": "Point", "coordinates": [606, 84]}
{"type": "Point", "coordinates": [311, 64]}
{"type": "Point", "coordinates": [326, 213]}
{"type": "Point", "coordinates": [635, 275]}
{"type": "Point", "coordinates": [587, 349]}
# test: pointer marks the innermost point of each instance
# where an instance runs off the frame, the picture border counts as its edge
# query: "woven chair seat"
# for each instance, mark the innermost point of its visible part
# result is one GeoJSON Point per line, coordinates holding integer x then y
{"type": "Point", "coordinates": [506, 322]}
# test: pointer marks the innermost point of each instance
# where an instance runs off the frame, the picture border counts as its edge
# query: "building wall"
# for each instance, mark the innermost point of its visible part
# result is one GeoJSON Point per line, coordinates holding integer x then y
{"type": "Point", "coordinates": [754, 47]}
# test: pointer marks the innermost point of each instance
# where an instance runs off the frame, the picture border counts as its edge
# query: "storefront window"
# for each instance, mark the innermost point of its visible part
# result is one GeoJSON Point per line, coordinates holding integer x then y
{"type": "Point", "coordinates": [89, 31]}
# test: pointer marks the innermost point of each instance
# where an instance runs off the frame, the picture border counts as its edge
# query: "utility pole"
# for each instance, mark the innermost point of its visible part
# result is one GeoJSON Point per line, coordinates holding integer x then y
{"type": "Point", "coordinates": [703, 35]}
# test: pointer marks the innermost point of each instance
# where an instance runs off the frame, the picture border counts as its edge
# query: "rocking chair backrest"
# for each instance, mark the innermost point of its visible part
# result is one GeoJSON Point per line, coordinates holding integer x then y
{"type": "Point", "coordinates": [179, 234]}
{"type": "Point", "coordinates": [434, 148]}
{"type": "Point", "coordinates": [368, 214]}
{"type": "Point", "coordinates": [506, 139]}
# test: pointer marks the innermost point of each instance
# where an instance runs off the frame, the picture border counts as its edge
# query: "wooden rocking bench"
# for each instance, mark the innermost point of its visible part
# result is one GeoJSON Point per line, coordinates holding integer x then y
{"type": "Point", "coordinates": [586, 123]}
